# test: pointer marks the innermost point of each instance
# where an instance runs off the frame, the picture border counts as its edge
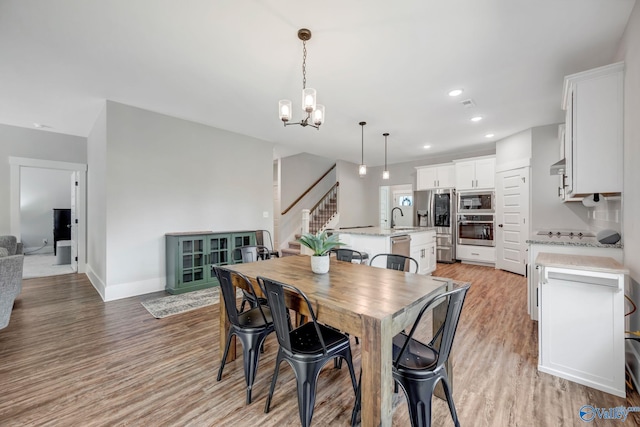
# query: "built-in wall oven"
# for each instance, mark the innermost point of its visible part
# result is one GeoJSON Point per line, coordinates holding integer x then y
{"type": "Point", "coordinates": [476, 229]}
{"type": "Point", "coordinates": [476, 202]}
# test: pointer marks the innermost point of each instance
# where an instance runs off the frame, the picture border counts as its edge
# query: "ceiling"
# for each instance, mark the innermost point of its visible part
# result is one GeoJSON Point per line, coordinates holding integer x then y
{"type": "Point", "coordinates": [226, 64]}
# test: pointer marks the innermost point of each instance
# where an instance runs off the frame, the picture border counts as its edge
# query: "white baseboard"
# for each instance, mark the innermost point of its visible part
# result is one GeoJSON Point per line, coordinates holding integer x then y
{"type": "Point", "coordinates": [124, 290]}
{"type": "Point", "coordinates": [95, 281]}
{"type": "Point", "coordinates": [38, 250]}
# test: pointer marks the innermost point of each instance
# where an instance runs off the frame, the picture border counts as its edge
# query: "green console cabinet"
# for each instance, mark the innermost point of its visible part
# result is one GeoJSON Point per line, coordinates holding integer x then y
{"type": "Point", "coordinates": [190, 256]}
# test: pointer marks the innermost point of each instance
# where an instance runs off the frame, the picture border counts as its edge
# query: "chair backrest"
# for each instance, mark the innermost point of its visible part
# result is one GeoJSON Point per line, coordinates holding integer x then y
{"type": "Point", "coordinates": [454, 300]}
{"type": "Point", "coordinates": [398, 262]}
{"type": "Point", "coordinates": [225, 277]}
{"type": "Point", "coordinates": [252, 253]}
{"type": "Point", "coordinates": [280, 311]}
{"type": "Point", "coordinates": [263, 238]}
{"type": "Point", "coordinates": [343, 254]}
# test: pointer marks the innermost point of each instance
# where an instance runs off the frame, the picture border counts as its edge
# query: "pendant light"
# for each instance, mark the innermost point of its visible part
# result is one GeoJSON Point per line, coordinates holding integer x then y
{"type": "Point", "coordinates": [362, 169]}
{"type": "Point", "coordinates": [314, 112]}
{"type": "Point", "coordinates": [385, 172]}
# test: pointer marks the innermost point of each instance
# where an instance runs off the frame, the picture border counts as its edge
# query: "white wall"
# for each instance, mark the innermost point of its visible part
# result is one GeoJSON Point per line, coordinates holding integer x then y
{"type": "Point", "coordinates": [97, 203]}
{"type": "Point", "coordinates": [514, 151]}
{"type": "Point", "coordinates": [299, 172]}
{"type": "Point", "coordinates": [165, 174]}
{"type": "Point", "coordinates": [34, 144]}
{"type": "Point", "coordinates": [41, 191]}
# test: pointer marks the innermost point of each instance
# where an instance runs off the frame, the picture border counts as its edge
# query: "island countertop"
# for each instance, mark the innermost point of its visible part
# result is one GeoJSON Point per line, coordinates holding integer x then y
{"type": "Point", "coordinates": [581, 262]}
{"type": "Point", "coordinates": [384, 232]}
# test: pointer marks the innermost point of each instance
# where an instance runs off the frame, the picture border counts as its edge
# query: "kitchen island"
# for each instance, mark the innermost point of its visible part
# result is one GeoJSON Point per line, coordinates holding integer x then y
{"type": "Point", "coordinates": [378, 240]}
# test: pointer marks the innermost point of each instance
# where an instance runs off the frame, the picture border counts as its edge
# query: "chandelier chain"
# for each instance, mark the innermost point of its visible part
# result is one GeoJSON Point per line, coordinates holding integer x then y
{"type": "Point", "coordinates": [304, 64]}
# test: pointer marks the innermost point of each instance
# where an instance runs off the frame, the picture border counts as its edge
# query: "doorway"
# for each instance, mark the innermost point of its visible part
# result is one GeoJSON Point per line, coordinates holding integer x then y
{"type": "Point", "coordinates": [396, 196]}
{"type": "Point", "coordinates": [75, 176]}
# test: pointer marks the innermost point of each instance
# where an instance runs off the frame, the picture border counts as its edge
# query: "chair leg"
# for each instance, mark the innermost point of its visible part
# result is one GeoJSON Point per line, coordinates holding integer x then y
{"type": "Point", "coordinates": [250, 356]}
{"type": "Point", "coordinates": [224, 357]}
{"type": "Point", "coordinates": [356, 405]}
{"type": "Point", "coordinates": [307, 376]}
{"type": "Point", "coordinates": [419, 401]}
{"type": "Point", "coordinates": [274, 379]}
{"type": "Point", "coordinates": [452, 406]}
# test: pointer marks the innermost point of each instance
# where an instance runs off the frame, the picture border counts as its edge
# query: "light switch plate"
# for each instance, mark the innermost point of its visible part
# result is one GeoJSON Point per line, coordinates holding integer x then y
{"type": "Point", "coordinates": [265, 214]}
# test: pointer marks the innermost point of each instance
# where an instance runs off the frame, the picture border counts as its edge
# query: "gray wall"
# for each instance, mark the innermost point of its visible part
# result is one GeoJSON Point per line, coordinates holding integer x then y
{"type": "Point", "coordinates": [548, 211]}
{"type": "Point", "coordinates": [34, 144]}
{"type": "Point", "coordinates": [630, 53]}
{"type": "Point", "coordinates": [41, 191]}
{"type": "Point", "coordinates": [356, 207]}
{"type": "Point", "coordinates": [298, 172]}
{"type": "Point", "coordinates": [164, 174]}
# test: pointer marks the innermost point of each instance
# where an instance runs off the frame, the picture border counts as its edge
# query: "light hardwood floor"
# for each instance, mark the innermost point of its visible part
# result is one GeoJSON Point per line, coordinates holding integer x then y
{"type": "Point", "coordinates": [69, 359]}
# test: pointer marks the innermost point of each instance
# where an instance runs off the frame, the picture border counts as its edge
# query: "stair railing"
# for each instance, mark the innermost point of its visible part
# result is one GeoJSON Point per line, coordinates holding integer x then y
{"type": "Point", "coordinates": [324, 210]}
{"type": "Point", "coordinates": [308, 190]}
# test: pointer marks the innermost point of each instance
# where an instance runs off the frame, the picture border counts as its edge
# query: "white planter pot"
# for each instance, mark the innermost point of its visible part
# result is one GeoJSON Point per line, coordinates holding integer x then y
{"type": "Point", "coordinates": [320, 264]}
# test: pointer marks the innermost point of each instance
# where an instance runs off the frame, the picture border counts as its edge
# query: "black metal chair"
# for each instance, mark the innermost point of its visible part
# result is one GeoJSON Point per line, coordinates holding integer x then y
{"type": "Point", "coordinates": [262, 238]}
{"type": "Point", "coordinates": [306, 348]}
{"type": "Point", "coordinates": [418, 367]}
{"type": "Point", "coordinates": [348, 255]}
{"type": "Point", "coordinates": [251, 253]}
{"type": "Point", "coordinates": [251, 326]}
{"type": "Point", "coordinates": [397, 262]}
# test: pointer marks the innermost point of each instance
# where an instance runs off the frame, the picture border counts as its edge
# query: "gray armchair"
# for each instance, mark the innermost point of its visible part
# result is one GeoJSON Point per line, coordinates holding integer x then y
{"type": "Point", "coordinates": [11, 263]}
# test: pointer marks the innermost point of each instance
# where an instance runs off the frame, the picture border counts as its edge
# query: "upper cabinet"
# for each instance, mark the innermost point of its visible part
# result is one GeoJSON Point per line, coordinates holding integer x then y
{"type": "Point", "coordinates": [475, 174]}
{"type": "Point", "coordinates": [436, 176]}
{"type": "Point", "coordinates": [593, 135]}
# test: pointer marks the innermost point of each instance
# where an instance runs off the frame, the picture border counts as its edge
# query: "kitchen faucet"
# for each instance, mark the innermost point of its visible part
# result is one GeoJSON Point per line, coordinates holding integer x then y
{"type": "Point", "coordinates": [393, 223]}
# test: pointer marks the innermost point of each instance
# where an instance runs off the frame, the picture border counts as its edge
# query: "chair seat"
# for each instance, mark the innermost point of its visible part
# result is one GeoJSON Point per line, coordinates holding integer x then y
{"type": "Point", "coordinates": [418, 356]}
{"type": "Point", "coordinates": [304, 339]}
{"type": "Point", "coordinates": [253, 318]}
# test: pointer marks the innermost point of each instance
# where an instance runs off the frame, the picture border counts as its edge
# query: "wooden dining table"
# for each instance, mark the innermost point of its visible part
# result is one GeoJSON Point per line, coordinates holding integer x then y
{"type": "Point", "coordinates": [371, 303]}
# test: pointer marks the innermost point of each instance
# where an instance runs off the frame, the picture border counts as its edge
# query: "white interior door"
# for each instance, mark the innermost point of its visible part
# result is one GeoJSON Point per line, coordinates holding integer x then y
{"type": "Point", "coordinates": [74, 224]}
{"type": "Point", "coordinates": [512, 220]}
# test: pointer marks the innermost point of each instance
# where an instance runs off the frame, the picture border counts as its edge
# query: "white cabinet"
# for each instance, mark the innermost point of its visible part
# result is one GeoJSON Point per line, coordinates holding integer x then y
{"type": "Point", "coordinates": [475, 174]}
{"type": "Point", "coordinates": [437, 176]}
{"type": "Point", "coordinates": [423, 250]}
{"type": "Point", "coordinates": [533, 274]}
{"type": "Point", "coordinates": [485, 255]}
{"type": "Point", "coordinates": [593, 153]}
{"type": "Point", "coordinates": [581, 326]}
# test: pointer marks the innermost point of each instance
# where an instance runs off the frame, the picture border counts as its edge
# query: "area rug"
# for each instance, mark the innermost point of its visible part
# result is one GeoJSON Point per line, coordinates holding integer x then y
{"type": "Point", "coordinates": [175, 304]}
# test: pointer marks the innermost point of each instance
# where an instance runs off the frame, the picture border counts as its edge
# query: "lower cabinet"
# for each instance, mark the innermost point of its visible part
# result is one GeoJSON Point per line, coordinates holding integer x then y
{"type": "Point", "coordinates": [190, 256]}
{"type": "Point", "coordinates": [423, 250]}
{"type": "Point", "coordinates": [581, 326]}
{"type": "Point", "coordinates": [476, 254]}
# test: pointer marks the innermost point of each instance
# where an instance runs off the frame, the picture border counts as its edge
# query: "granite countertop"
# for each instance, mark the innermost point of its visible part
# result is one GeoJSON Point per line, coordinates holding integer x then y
{"type": "Point", "coordinates": [384, 232]}
{"type": "Point", "coordinates": [570, 241]}
{"type": "Point", "coordinates": [581, 262]}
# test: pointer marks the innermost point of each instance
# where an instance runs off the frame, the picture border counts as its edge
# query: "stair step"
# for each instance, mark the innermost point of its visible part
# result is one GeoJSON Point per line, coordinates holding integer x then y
{"type": "Point", "coordinates": [289, 252]}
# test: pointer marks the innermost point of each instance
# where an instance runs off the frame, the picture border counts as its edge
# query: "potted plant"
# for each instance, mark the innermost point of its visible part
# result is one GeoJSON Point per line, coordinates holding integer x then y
{"type": "Point", "coordinates": [321, 244]}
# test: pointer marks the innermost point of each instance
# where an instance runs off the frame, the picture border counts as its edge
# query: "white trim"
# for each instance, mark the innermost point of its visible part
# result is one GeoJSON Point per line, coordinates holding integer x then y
{"type": "Point", "coordinates": [96, 282]}
{"type": "Point", "coordinates": [132, 289]}
{"type": "Point", "coordinates": [14, 198]}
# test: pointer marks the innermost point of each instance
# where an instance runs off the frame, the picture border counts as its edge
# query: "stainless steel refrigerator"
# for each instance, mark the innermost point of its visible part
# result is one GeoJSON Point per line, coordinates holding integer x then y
{"type": "Point", "coordinates": [437, 208]}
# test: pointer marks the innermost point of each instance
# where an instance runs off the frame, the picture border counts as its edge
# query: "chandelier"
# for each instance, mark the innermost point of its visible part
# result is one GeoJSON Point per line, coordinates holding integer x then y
{"type": "Point", "coordinates": [315, 112]}
{"type": "Point", "coordinates": [385, 172]}
{"type": "Point", "coordinates": [362, 169]}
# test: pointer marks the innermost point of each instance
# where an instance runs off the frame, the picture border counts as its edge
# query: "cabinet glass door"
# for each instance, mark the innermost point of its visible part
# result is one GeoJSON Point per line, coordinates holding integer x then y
{"type": "Point", "coordinates": [193, 261]}
{"type": "Point", "coordinates": [219, 250]}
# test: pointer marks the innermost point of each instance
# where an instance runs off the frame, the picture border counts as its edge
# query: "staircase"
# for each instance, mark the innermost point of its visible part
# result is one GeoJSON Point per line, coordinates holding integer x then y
{"type": "Point", "coordinates": [319, 217]}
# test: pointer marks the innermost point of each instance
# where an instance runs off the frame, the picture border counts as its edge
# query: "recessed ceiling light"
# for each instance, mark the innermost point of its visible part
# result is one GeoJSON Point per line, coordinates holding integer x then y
{"type": "Point", "coordinates": [489, 135]}
{"type": "Point", "coordinates": [456, 92]}
{"type": "Point", "coordinates": [37, 125]}
{"type": "Point", "coordinates": [476, 118]}
{"type": "Point", "coordinates": [426, 147]}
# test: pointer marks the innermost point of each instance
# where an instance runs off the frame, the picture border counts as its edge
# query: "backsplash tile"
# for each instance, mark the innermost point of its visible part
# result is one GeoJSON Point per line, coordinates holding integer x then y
{"type": "Point", "coordinates": [606, 215]}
